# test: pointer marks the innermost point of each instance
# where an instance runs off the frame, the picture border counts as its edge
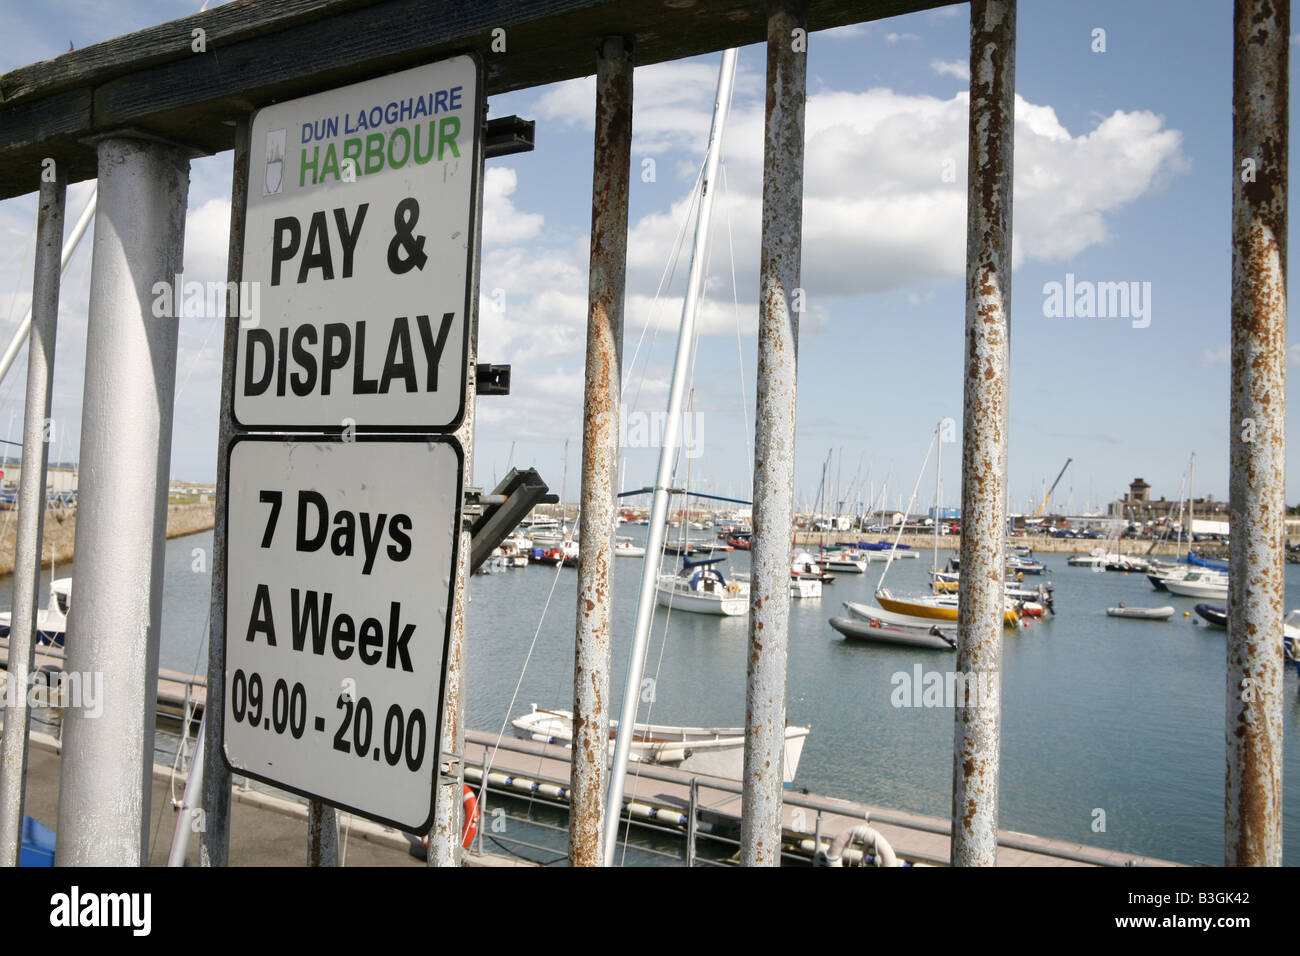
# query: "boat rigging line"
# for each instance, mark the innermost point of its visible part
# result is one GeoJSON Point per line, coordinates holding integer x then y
{"type": "Point", "coordinates": [903, 524]}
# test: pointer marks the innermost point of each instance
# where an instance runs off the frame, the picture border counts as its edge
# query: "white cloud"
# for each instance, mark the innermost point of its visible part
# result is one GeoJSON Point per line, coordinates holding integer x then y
{"type": "Point", "coordinates": [207, 240]}
{"type": "Point", "coordinates": [502, 222]}
{"type": "Point", "coordinates": [957, 68]}
{"type": "Point", "coordinates": [845, 33]}
{"type": "Point", "coordinates": [672, 104]}
{"type": "Point", "coordinates": [895, 37]}
{"type": "Point", "coordinates": [885, 190]}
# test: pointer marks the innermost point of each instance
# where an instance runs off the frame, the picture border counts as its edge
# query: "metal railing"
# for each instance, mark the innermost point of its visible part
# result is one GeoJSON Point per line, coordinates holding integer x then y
{"type": "Point", "coordinates": [704, 825]}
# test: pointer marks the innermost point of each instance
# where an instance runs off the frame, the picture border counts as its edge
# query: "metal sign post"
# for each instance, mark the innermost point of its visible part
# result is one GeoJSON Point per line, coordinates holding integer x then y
{"type": "Point", "coordinates": [346, 469]}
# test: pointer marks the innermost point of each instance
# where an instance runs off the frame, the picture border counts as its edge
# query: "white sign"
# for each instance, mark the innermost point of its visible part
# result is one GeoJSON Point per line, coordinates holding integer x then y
{"type": "Point", "coordinates": [340, 562]}
{"type": "Point", "coordinates": [360, 238]}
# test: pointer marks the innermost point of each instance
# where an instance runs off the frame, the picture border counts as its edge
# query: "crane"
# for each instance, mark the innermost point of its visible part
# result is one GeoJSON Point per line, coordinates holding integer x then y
{"type": "Point", "coordinates": [1048, 496]}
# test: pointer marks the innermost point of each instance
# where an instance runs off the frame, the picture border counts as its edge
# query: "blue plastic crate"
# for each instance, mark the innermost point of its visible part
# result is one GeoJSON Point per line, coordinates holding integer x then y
{"type": "Point", "coordinates": [38, 844]}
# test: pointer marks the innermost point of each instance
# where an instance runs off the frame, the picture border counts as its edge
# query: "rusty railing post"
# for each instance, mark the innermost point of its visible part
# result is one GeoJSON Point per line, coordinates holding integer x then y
{"type": "Point", "coordinates": [322, 834]}
{"type": "Point", "coordinates": [1257, 485]}
{"type": "Point", "coordinates": [778, 342]}
{"type": "Point", "coordinates": [984, 431]}
{"type": "Point", "coordinates": [604, 376]}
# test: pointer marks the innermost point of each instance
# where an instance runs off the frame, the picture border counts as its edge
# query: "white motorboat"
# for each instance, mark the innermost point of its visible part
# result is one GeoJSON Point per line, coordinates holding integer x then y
{"type": "Point", "coordinates": [701, 588]}
{"type": "Point", "coordinates": [1201, 583]}
{"type": "Point", "coordinates": [625, 548]}
{"type": "Point", "coordinates": [52, 622]}
{"type": "Point", "coordinates": [799, 587]}
{"type": "Point", "coordinates": [1095, 559]}
{"type": "Point", "coordinates": [805, 588]}
{"type": "Point", "coordinates": [807, 568]}
{"type": "Point", "coordinates": [846, 559]}
{"type": "Point", "coordinates": [712, 751]}
{"type": "Point", "coordinates": [516, 550]}
{"type": "Point", "coordinates": [1160, 572]}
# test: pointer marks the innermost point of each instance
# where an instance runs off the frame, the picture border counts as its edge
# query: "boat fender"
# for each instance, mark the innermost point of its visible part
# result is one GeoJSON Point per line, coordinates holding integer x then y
{"type": "Point", "coordinates": [873, 842]}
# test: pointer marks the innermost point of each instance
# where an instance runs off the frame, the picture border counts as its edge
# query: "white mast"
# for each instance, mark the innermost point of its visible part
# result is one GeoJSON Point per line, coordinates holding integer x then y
{"type": "Point", "coordinates": [667, 455]}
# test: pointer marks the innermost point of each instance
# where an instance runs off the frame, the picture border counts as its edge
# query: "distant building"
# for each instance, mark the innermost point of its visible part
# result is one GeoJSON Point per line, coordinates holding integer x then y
{"type": "Point", "coordinates": [1138, 505]}
{"type": "Point", "coordinates": [57, 480]}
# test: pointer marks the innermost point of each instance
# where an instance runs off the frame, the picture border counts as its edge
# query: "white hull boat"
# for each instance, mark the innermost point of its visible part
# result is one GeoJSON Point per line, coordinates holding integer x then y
{"type": "Point", "coordinates": [799, 587]}
{"type": "Point", "coordinates": [805, 588]}
{"type": "Point", "coordinates": [710, 751]}
{"type": "Point", "coordinates": [702, 589]}
{"type": "Point", "coordinates": [852, 561]}
{"type": "Point", "coordinates": [1201, 584]}
{"type": "Point", "coordinates": [52, 622]}
{"type": "Point", "coordinates": [869, 612]}
{"type": "Point", "coordinates": [1097, 559]}
{"type": "Point", "coordinates": [624, 548]}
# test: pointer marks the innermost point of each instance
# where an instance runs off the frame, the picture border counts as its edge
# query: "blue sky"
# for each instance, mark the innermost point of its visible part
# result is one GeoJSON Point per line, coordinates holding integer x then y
{"type": "Point", "coordinates": [1123, 174]}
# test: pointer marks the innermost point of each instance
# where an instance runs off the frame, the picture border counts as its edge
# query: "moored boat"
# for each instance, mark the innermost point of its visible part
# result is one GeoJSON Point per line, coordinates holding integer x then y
{"type": "Point", "coordinates": [703, 589]}
{"type": "Point", "coordinates": [879, 632]}
{"type": "Point", "coordinates": [625, 548]}
{"type": "Point", "coordinates": [52, 621]}
{"type": "Point", "coordinates": [1214, 616]}
{"type": "Point", "coordinates": [1142, 613]}
{"type": "Point", "coordinates": [1200, 583]}
{"type": "Point", "coordinates": [846, 559]}
{"type": "Point", "coordinates": [712, 751]}
{"type": "Point", "coordinates": [939, 608]}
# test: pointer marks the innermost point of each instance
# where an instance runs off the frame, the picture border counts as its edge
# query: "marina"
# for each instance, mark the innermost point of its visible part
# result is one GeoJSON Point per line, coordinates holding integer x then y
{"type": "Point", "coordinates": [1101, 712]}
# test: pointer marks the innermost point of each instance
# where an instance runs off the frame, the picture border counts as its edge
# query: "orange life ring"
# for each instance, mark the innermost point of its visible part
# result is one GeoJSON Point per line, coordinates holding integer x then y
{"type": "Point", "coordinates": [468, 830]}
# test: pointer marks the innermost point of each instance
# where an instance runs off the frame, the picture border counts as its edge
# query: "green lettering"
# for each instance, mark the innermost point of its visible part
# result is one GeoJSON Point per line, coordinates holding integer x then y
{"type": "Point", "coordinates": [421, 160]}
{"type": "Point", "coordinates": [449, 139]}
{"type": "Point", "coordinates": [393, 161]}
{"type": "Point", "coordinates": [330, 165]}
{"type": "Point", "coordinates": [304, 166]}
{"type": "Point", "coordinates": [374, 153]}
{"type": "Point", "coordinates": [352, 151]}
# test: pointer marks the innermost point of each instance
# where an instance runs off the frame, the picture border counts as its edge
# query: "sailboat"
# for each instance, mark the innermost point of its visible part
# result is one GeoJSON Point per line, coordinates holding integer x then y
{"type": "Point", "coordinates": [700, 587]}
{"type": "Point", "coordinates": [930, 607]}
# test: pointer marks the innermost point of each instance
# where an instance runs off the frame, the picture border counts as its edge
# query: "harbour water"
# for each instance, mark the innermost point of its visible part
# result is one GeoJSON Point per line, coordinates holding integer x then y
{"type": "Point", "coordinates": [1106, 722]}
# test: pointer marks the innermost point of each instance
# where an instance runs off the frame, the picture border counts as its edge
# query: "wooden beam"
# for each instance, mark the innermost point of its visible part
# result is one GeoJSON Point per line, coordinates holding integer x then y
{"type": "Point", "coordinates": [260, 53]}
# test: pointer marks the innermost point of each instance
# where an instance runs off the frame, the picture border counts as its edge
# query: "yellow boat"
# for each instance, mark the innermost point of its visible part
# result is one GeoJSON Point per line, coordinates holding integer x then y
{"type": "Point", "coordinates": [933, 611]}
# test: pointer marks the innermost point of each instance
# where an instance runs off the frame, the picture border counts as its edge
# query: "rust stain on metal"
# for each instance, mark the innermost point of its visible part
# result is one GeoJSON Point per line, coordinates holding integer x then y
{"type": "Point", "coordinates": [602, 385]}
{"type": "Point", "coordinates": [1253, 772]}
